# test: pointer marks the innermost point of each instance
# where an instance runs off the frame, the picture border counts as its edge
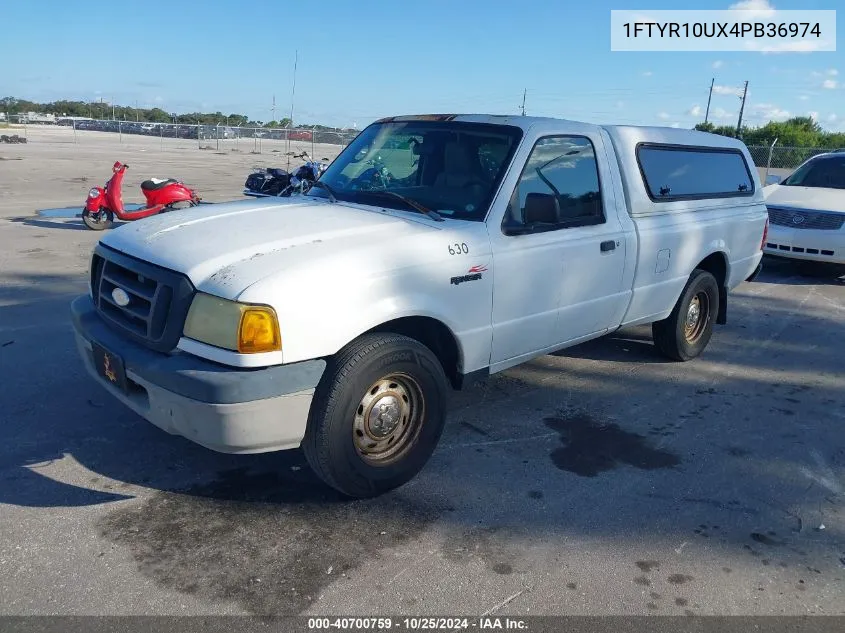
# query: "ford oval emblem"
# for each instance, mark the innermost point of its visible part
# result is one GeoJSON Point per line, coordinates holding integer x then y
{"type": "Point", "coordinates": [797, 219]}
{"type": "Point", "coordinates": [120, 297]}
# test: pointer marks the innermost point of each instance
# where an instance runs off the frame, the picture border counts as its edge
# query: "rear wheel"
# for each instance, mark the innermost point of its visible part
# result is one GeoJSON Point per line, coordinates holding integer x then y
{"type": "Point", "coordinates": [377, 415]}
{"type": "Point", "coordinates": [98, 221]}
{"type": "Point", "coordinates": [175, 206]}
{"type": "Point", "coordinates": [684, 334]}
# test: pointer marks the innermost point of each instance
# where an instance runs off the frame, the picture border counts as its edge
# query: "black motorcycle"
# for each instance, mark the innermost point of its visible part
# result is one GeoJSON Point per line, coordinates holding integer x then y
{"type": "Point", "coordinates": [271, 181]}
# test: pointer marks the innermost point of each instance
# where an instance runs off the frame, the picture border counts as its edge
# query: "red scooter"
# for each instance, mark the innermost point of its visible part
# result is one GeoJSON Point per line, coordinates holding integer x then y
{"type": "Point", "coordinates": [106, 203]}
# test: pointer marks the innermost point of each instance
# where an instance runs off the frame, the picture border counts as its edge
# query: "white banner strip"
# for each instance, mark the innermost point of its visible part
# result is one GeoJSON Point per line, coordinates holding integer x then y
{"type": "Point", "coordinates": [763, 31]}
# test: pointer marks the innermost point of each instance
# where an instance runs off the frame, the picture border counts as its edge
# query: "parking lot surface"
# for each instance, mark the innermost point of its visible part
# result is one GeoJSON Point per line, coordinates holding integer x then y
{"type": "Point", "coordinates": [599, 480]}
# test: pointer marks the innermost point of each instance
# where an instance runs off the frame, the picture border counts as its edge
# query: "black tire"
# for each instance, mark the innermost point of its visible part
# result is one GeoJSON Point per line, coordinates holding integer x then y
{"type": "Point", "coordinates": [672, 336]}
{"type": "Point", "coordinates": [105, 220]}
{"type": "Point", "coordinates": [820, 270]}
{"type": "Point", "coordinates": [334, 434]}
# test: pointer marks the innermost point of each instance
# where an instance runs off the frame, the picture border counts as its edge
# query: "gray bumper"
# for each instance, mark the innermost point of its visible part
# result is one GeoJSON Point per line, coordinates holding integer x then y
{"type": "Point", "coordinates": [225, 409]}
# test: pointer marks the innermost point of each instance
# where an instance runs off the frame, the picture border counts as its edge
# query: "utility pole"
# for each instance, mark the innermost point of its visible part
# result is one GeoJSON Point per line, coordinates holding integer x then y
{"type": "Point", "coordinates": [293, 89]}
{"type": "Point", "coordinates": [710, 96]}
{"type": "Point", "coordinates": [292, 95]}
{"type": "Point", "coordinates": [741, 109]}
{"type": "Point", "coordinates": [274, 108]}
{"type": "Point", "coordinates": [523, 100]}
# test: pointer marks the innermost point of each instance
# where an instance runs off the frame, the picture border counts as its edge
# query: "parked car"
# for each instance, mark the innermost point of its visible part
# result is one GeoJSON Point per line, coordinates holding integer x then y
{"type": "Point", "coordinates": [338, 320]}
{"type": "Point", "coordinates": [807, 216]}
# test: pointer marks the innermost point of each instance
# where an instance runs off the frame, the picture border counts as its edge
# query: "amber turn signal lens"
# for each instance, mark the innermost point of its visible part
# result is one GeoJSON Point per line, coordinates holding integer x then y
{"type": "Point", "coordinates": [259, 331]}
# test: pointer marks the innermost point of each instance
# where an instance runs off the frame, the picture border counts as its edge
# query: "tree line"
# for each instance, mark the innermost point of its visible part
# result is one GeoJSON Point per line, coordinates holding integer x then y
{"type": "Point", "coordinates": [802, 132]}
{"type": "Point", "coordinates": [102, 110]}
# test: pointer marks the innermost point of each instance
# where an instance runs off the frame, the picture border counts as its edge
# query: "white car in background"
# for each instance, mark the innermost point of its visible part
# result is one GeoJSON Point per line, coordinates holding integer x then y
{"type": "Point", "coordinates": [807, 215]}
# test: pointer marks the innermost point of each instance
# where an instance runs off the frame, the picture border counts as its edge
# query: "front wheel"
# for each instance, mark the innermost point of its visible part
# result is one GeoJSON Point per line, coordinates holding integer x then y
{"type": "Point", "coordinates": [684, 334]}
{"type": "Point", "coordinates": [98, 221]}
{"type": "Point", "coordinates": [377, 415]}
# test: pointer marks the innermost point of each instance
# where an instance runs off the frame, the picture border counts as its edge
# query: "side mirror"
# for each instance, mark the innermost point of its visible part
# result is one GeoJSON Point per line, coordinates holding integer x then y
{"type": "Point", "coordinates": [773, 180]}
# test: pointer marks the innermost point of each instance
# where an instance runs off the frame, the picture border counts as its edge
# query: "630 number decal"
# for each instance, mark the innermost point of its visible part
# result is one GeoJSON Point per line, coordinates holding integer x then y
{"type": "Point", "coordinates": [458, 249]}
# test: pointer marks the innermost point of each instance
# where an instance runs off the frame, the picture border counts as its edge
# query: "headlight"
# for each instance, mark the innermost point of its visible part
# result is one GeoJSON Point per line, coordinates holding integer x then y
{"type": "Point", "coordinates": [94, 193]}
{"type": "Point", "coordinates": [239, 327]}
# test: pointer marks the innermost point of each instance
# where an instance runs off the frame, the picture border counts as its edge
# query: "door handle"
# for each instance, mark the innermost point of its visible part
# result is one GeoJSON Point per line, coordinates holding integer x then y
{"type": "Point", "coordinates": [608, 245]}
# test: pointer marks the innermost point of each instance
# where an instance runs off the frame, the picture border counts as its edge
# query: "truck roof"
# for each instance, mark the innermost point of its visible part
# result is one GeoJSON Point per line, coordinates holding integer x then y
{"type": "Point", "coordinates": [627, 134]}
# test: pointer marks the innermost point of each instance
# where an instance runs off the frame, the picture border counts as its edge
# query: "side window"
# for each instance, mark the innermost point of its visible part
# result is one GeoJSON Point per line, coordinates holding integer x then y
{"type": "Point", "coordinates": [672, 172]}
{"type": "Point", "coordinates": [559, 187]}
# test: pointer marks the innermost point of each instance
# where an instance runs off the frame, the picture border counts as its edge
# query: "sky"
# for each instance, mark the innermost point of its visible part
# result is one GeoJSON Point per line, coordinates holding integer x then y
{"type": "Point", "coordinates": [358, 61]}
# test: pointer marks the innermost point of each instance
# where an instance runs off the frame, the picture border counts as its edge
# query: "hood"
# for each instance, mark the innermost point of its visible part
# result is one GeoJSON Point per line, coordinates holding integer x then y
{"type": "Point", "coordinates": [810, 198]}
{"type": "Point", "coordinates": [224, 248]}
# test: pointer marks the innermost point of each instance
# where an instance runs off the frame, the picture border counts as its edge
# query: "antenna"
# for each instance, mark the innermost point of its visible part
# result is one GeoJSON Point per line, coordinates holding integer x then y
{"type": "Point", "coordinates": [523, 100]}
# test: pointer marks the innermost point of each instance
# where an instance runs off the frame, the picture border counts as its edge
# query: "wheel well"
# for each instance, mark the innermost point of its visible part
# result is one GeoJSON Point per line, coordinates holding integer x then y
{"type": "Point", "coordinates": [434, 335]}
{"type": "Point", "coordinates": [717, 265]}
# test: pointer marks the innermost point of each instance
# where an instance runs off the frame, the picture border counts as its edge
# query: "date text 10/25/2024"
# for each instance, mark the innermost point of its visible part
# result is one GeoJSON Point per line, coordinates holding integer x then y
{"type": "Point", "coordinates": [379, 624]}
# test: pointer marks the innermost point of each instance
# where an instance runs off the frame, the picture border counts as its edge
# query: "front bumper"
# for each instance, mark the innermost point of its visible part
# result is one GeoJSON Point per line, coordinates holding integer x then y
{"type": "Point", "coordinates": [225, 409]}
{"type": "Point", "coordinates": [809, 244]}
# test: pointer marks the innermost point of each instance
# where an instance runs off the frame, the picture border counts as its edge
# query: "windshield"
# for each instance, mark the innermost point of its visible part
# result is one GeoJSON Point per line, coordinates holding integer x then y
{"type": "Point", "coordinates": [450, 167]}
{"type": "Point", "coordinates": [826, 172]}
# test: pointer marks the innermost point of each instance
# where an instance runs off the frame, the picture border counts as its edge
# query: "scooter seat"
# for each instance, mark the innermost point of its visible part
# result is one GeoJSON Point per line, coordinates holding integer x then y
{"type": "Point", "coordinates": [156, 183]}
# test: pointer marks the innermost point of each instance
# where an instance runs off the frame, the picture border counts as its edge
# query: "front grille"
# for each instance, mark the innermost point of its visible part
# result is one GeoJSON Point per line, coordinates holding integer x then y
{"type": "Point", "coordinates": [801, 219]}
{"type": "Point", "coordinates": [158, 298]}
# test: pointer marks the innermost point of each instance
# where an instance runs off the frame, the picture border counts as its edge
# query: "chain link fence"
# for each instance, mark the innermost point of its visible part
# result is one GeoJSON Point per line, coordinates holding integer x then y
{"type": "Point", "coordinates": [217, 137]}
{"type": "Point", "coordinates": [780, 160]}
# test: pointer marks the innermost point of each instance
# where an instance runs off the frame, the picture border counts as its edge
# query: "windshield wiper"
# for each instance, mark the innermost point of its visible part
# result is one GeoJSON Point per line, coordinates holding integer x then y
{"type": "Point", "coordinates": [329, 190]}
{"type": "Point", "coordinates": [411, 203]}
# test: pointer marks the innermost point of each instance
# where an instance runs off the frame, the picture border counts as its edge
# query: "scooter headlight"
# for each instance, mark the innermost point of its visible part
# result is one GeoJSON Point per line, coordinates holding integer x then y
{"type": "Point", "coordinates": [93, 193]}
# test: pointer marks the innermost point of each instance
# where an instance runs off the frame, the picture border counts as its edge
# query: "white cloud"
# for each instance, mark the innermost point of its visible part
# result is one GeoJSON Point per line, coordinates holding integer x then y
{"type": "Point", "coordinates": [647, 73]}
{"type": "Point", "coordinates": [718, 63]}
{"type": "Point", "coordinates": [158, 99]}
{"type": "Point", "coordinates": [754, 7]}
{"type": "Point", "coordinates": [664, 116]}
{"type": "Point", "coordinates": [813, 115]}
{"type": "Point", "coordinates": [769, 112]}
{"type": "Point", "coordinates": [675, 125]}
{"type": "Point", "coordinates": [694, 110]}
{"type": "Point", "coordinates": [832, 72]}
{"type": "Point", "coordinates": [721, 113]}
{"type": "Point", "coordinates": [832, 118]}
{"type": "Point", "coordinates": [727, 90]}
{"type": "Point", "coordinates": [804, 98]}
{"type": "Point", "coordinates": [829, 84]}
{"type": "Point", "coordinates": [620, 104]}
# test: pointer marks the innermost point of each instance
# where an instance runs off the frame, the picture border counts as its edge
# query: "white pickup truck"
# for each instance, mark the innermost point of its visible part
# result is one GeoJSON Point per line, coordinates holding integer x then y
{"type": "Point", "coordinates": [436, 249]}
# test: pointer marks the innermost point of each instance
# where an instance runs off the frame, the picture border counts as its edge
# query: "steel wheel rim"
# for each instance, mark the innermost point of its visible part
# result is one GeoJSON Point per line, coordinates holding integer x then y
{"type": "Point", "coordinates": [388, 419]}
{"type": "Point", "coordinates": [98, 217]}
{"type": "Point", "coordinates": [697, 317]}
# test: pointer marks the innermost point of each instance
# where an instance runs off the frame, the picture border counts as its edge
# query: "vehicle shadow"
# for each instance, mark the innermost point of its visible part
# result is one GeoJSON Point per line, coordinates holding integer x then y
{"type": "Point", "coordinates": [627, 345]}
{"type": "Point", "coordinates": [559, 448]}
{"type": "Point", "coordinates": [63, 224]}
{"type": "Point", "coordinates": [779, 270]}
